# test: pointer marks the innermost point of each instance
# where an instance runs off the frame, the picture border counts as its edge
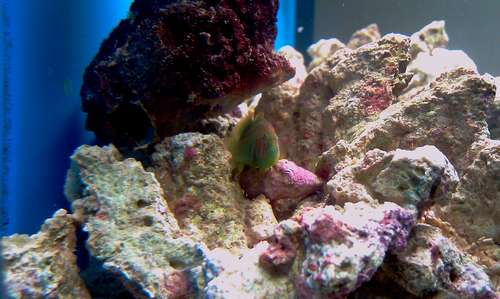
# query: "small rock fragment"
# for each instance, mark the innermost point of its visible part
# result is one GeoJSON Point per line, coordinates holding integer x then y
{"type": "Point", "coordinates": [323, 49]}
{"type": "Point", "coordinates": [259, 219]}
{"type": "Point", "coordinates": [364, 36]}
{"type": "Point", "coordinates": [43, 265]}
{"type": "Point", "coordinates": [411, 179]}
{"type": "Point", "coordinates": [432, 36]}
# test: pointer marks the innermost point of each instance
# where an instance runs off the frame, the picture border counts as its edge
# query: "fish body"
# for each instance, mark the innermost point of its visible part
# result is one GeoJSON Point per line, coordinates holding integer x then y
{"type": "Point", "coordinates": [253, 142]}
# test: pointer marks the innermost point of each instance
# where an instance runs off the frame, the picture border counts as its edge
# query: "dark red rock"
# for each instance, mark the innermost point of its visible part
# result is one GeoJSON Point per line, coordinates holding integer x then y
{"type": "Point", "coordinates": [173, 63]}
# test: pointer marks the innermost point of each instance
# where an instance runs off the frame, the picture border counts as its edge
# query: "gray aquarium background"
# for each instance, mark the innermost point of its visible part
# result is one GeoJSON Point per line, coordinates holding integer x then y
{"type": "Point", "coordinates": [473, 26]}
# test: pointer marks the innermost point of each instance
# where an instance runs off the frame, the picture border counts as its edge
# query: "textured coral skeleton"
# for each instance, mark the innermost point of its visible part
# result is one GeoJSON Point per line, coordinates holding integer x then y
{"type": "Point", "coordinates": [387, 184]}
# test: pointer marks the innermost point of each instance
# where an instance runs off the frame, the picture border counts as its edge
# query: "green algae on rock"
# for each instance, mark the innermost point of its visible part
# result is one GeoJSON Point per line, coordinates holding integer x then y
{"type": "Point", "coordinates": [194, 171]}
{"type": "Point", "coordinates": [131, 229]}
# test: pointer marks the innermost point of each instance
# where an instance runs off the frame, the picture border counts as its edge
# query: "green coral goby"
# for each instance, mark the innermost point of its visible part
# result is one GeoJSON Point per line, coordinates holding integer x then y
{"type": "Point", "coordinates": [253, 142]}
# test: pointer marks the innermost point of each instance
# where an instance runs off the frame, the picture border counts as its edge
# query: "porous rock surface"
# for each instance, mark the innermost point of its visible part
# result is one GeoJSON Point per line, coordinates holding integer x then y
{"type": "Point", "coordinates": [428, 66]}
{"type": "Point", "coordinates": [245, 278]}
{"type": "Point", "coordinates": [323, 49]}
{"type": "Point", "coordinates": [323, 253]}
{"type": "Point", "coordinates": [476, 201]}
{"type": "Point", "coordinates": [171, 63]}
{"type": "Point", "coordinates": [279, 104]}
{"type": "Point", "coordinates": [131, 229]}
{"type": "Point", "coordinates": [474, 210]}
{"type": "Point", "coordinates": [260, 219]}
{"type": "Point", "coordinates": [454, 110]}
{"type": "Point", "coordinates": [343, 250]}
{"type": "Point", "coordinates": [195, 173]}
{"type": "Point", "coordinates": [432, 264]}
{"type": "Point", "coordinates": [43, 265]}
{"type": "Point", "coordinates": [493, 116]}
{"type": "Point", "coordinates": [450, 114]}
{"type": "Point", "coordinates": [364, 36]}
{"type": "Point", "coordinates": [349, 88]}
{"type": "Point", "coordinates": [430, 37]}
{"type": "Point", "coordinates": [408, 178]}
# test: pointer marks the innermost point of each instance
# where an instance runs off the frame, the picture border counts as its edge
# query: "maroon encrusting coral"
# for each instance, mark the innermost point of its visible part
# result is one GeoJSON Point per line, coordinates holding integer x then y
{"type": "Point", "coordinates": [172, 63]}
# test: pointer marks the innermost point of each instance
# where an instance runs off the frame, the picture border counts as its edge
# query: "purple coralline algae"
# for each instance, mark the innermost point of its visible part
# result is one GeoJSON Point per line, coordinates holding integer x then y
{"type": "Point", "coordinates": [343, 250]}
{"type": "Point", "coordinates": [285, 184]}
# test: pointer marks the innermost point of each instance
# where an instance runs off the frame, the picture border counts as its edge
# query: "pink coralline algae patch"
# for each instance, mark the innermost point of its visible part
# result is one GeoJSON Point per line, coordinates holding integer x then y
{"type": "Point", "coordinates": [186, 204]}
{"type": "Point", "coordinates": [283, 248]}
{"type": "Point", "coordinates": [190, 153]}
{"type": "Point", "coordinates": [177, 285]}
{"type": "Point", "coordinates": [284, 180]}
{"type": "Point", "coordinates": [375, 98]}
{"type": "Point", "coordinates": [279, 256]}
{"type": "Point", "coordinates": [395, 228]}
{"type": "Point", "coordinates": [325, 228]}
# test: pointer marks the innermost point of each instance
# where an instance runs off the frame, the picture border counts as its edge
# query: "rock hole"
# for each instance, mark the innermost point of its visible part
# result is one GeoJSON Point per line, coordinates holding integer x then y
{"type": "Point", "coordinates": [131, 126]}
{"type": "Point", "coordinates": [141, 203]}
{"type": "Point", "coordinates": [453, 275]}
{"type": "Point", "coordinates": [148, 220]}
